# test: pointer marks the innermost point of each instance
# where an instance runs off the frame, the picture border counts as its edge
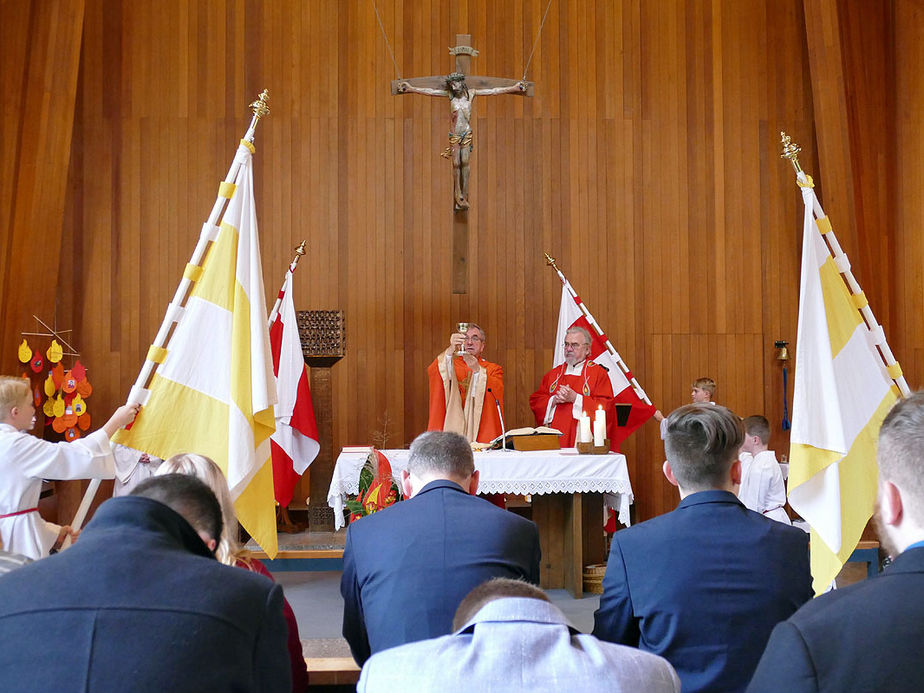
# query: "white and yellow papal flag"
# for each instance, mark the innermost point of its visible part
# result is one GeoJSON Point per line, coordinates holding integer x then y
{"type": "Point", "coordinates": [214, 390]}
{"type": "Point", "coordinates": [842, 392]}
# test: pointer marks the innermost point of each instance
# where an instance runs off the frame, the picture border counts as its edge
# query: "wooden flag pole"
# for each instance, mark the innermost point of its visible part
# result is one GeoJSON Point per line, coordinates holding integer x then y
{"type": "Point", "coordinates": [138, 393]}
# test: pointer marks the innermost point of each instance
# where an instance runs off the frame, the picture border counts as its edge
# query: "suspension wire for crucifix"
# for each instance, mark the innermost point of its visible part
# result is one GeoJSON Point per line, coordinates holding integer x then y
{"type": "Point", "coordinates": [387, 44]}
{"type": "Point", "coordinates": [395, 62]}
{"type": "Point", "coordinates": [536, 42]}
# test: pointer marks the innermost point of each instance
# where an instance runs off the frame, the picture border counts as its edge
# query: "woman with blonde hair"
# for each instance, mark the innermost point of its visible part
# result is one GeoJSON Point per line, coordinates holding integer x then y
{"type": "Point", "coordinates": [229, 550]}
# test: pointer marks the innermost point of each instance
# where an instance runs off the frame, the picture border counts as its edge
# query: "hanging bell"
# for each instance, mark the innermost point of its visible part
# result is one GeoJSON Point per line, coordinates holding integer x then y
{"type": "Point", "coordinates": [783, 353]}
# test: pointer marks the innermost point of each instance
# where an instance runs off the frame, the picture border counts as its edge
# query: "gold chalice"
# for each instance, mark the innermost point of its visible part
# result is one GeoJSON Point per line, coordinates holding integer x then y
{"type": "Point", "coordinates": [462, 327]}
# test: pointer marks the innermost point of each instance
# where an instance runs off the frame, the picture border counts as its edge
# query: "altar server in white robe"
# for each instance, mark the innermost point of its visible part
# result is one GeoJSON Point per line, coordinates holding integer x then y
{"type": "Point", "coordinates": [25, 460]}
{"type": "Point", "coordinates": [762, 488]}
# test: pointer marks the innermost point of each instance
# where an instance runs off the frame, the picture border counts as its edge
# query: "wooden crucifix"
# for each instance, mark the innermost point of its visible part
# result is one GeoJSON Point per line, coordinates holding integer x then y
{"type": "Point", "coordinates": [460, 88]}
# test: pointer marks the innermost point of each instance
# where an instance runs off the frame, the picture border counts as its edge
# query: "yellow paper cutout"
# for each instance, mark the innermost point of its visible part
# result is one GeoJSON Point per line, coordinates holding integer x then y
{"type": "Point", "coordinates": [55, 352]}
{"type": "Point", "coordinates": [25, 353]}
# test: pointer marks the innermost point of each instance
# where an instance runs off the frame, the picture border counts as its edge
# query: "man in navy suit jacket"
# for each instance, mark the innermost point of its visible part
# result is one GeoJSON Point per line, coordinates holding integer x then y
{"type": "Point", "coordinates": [867, 637]}
{"type": "Point", "coordinates": [139, 603]}
{"type": "Point", "coordinates": [407, 567]}
{"type": "Point", "coordinates": [703, 585]}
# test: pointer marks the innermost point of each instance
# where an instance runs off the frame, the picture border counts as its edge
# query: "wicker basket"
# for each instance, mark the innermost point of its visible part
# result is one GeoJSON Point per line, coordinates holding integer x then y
{"type": "Point", "coordinates": [593, 578]}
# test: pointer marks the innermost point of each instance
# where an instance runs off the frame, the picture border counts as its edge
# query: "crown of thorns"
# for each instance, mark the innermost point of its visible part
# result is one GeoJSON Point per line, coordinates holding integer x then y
{"type": "Point", "coordinates": [455, 77]}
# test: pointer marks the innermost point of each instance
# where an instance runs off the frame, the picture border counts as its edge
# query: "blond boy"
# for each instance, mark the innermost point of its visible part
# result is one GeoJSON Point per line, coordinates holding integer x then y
{"type": "Point", "coordinates": [25, 460]}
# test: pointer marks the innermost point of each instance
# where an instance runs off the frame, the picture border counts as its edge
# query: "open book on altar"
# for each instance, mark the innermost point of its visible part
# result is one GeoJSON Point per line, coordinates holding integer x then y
{"type": "Point", "coordinates": [539, 438]}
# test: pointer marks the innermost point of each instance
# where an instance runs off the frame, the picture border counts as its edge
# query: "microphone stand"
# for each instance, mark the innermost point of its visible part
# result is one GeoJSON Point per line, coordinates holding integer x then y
{"type": "Point", "coordinates": [501, 415]}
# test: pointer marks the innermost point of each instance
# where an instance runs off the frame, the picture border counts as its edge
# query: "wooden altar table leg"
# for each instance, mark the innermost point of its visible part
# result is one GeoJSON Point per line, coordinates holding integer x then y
{"type": "Point", "coordinates": [574, 547]}
{"type": "Point", "coordinates": [594, 536]}
{"type": "Point", "coordinates": [559, 519]}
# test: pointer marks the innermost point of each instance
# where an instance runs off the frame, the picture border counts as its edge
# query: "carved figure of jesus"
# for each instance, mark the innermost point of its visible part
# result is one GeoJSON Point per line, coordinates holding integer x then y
{"type": "Point", "coordinates": [461, 138]}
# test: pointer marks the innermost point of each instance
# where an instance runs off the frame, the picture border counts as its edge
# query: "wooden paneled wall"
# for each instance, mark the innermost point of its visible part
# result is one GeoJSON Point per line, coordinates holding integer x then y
{"type": "Point", "coordinates": [40, 57]}
{"type": "Point", "coordinates": [647, 163]}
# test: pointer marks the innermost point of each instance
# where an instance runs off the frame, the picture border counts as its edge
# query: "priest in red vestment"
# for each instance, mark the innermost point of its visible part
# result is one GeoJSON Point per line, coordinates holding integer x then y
{"type": "Point", "coordinates": [463, 389]}
{"type": "Point", "coordinates": [577, 386]}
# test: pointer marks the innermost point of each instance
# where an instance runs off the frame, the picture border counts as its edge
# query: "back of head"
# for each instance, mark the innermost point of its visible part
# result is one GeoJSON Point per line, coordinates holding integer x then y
{"type": "Point", "coordinates": [493, 589]}
{"type": "Point", "coordinates": [758, 425]}
{"type": "Point", "coordinates": [12, 393]}
{"type": "Point", "coordinates": [702, 443]}
{"type": "Point", "coordinates": [188, 497]}
{"type": "Point", "coordinates": [204, 469]}
{"type": "Point", "coordinates": [901, 452]}
{"type": "Point", "coordinates": [441, 455]}
{"type": "Point", "coordinates": [707, 384]}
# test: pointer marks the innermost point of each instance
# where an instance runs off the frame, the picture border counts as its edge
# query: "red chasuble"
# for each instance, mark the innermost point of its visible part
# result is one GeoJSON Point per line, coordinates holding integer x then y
{"type": "Point", "coordinates": [593, 385]}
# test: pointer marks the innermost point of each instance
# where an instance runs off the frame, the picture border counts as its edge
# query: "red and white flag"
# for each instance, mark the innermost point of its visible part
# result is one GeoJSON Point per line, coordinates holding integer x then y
{"type": "Point", "coordinates": [626, 390]}
{"type": "Point", "coordinates": [295, 442]}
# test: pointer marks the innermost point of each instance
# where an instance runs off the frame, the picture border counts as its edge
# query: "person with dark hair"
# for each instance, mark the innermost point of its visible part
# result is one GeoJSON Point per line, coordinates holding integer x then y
{"type": "Point", "coordinates": [703, 585]}
{"type": "Point", "coordinates": [407, 567]}
{"type": "Point", "coordinates": [229, 550]}
{"type": "Point", "coordinates": [867, 637]}
{"type": "Point", "coordinates": [762, 489]}
{"type": "Point", "coordinates": [508, 636]}
{"type": "Point", "coordinates": [140, 603]}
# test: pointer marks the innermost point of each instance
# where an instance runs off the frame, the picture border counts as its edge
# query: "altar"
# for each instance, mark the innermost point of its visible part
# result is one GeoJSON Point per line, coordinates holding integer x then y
{"type": "Point", "coordinates": [556, 480]}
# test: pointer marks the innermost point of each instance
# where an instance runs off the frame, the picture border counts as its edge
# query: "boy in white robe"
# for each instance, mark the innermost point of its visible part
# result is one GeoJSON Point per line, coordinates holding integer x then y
{"type": "Point", "coordinates": [702, 391]}
{"type": "Point", "coordinates": [25, 460]}
{"type": "Point", "coordinates": [762, 487]}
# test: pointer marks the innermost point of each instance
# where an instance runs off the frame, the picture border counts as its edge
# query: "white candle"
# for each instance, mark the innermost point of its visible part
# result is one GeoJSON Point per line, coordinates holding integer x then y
{"type": "Point", "coordinates": [584, 429]}
{"type": "Point", "coordinates": [599, 432]}
{"type": "Point", "coordinates": [600, 416]}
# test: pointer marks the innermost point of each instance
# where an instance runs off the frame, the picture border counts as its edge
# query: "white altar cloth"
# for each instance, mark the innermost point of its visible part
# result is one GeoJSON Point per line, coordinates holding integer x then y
{"type": "Point", "coordinates": [524, 473]}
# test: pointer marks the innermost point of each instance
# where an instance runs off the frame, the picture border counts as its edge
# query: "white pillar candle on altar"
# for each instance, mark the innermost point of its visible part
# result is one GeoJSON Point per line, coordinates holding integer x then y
{"type": "Point", "coordinates": [600, 416]}
{"type": "Point", "coordinates": [584, 429]}
{"type": "Point", "coordinates": [599, 432]}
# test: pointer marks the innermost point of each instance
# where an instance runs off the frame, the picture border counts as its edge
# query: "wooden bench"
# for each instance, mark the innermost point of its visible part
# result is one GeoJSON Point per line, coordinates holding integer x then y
{"type": "Point", "coordinates": [867, 551]}
{"type": "Point", "coordinates": [301, 560]}
{"type": "Point", "coordinates": [331, 671]}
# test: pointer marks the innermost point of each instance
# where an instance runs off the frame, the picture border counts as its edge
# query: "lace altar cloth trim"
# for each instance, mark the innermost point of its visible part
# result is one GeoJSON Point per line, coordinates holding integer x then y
{"type": "Point", "coordinates": [525, 473]}
{"type": "Point", "coordinates": [540, 486]}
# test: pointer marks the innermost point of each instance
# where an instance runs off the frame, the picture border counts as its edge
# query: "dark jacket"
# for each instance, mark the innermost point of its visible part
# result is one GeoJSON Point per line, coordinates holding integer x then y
{"type": "Point", "coordinates": [139, 603]}
{"type": "Point", "coordinates": [866, 637]}
{"type": "Point", "coordinates": [703, 586]}
{"type": "Point", "coordinates": [407, 568]}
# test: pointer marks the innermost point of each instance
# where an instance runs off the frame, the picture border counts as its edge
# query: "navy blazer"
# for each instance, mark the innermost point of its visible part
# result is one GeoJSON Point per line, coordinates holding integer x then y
{"type": "Point", "coordinates": [406, 568]}
{"type": "Point", "coordinates": [866, 637]}
{"type": "Point", "coordinates": [703, 586]}
{"type": "Point", "coordinates": [140, 604]}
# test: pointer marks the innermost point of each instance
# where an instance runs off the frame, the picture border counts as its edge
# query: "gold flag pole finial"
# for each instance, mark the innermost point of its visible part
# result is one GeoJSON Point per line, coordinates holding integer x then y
{"type": "Point", "coordinates": [260, 109]}
{"type": "Point", "coordinates": [550, 261]}
{"type": "Point", "coordinates": [299, 251]}
{"type": "Point", "coordinates": [790, 151]}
